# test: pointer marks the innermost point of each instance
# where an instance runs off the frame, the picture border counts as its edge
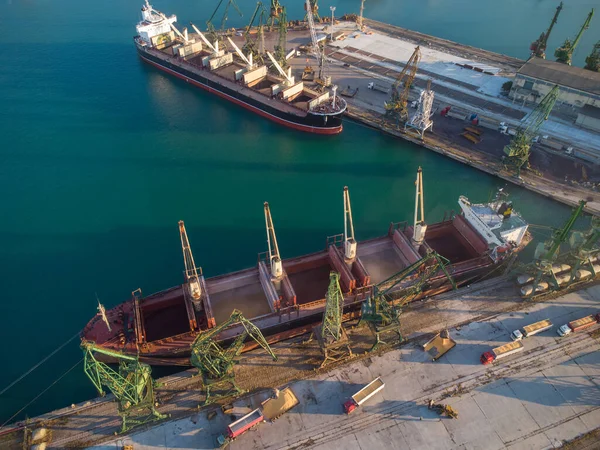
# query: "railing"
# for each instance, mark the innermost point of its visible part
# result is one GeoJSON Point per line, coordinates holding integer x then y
{"type": "Point", "coordinates": [397, 226]}
{"type": "Point", "coordinates": [336, 240]}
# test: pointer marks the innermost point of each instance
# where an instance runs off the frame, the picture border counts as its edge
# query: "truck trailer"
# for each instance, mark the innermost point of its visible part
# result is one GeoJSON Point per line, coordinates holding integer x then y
{"type": "Point", "coordinates": [378, 87]}
{"type": "Point", "coordinates": [500, 352]}
{"type": "Point", "coordinates": [363, 395]}
{"type": "Point", "coordinates": [578, 325]}
{"type": "Point", "coordinates": [532, 329]}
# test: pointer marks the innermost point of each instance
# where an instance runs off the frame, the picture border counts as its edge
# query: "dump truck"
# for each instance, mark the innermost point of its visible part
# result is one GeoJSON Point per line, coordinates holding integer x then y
{"type": "Point", "coordinates": [240, 426]}
{"type": "Point", "coordinates": [378, 87]}
{"type": "Point", "coordinates": [363, 395]}
{"type": "Point", "coordinates": [500, 352]}
{"type": "Point", "coordinates": [578, 325]}
{"type": "Point", "coordinates": [532, 329]}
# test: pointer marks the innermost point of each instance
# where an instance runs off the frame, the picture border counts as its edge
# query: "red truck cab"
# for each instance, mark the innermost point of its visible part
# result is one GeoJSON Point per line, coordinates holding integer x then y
{"type": "Point", "coordinates": [487, 358]}
{"type": "Point", "coordinates": [350, 406]}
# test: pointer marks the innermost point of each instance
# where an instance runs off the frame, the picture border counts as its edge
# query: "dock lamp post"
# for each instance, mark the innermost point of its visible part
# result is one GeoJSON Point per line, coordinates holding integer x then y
{"type": "Point", "coordinates": [332, 8]}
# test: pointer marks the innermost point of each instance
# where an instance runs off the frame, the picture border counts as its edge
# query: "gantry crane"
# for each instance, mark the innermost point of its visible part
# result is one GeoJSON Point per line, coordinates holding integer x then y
{"type": "Point", "coordinates": [275, 262]}
{"type": "Point", "coordinates": [256, 46]}
{"type": "Point", "coordinates": [421, 121]}
{"type": "Point", "coordinates": [212, 32]}
{"type": "Point", "coordinates": [330, 334]}
{"type": "Point", "coordinates": [397, 107]}
{"type": "Point", "coordinates": [538, 48]}
{"type": "Point", "coordinates": [349, 240]}
{"type": "Point", "coordinates": [216, 364]}
{"type": "Point", "coordinates": [517, 152]}
{"type": "Point", "coordinates": [546, 254]}
{"type": "Point", "coordinates": [585, 250]}
{"type": "Point", "coordinates": [381, 311]}
{"type": "Point", "coordinates": [132, 385]}
{"type": "Point", "coordinates": [275, 13]}
{"type": "Point", "coordinates": [592, 62]}
{"type": "Point", "coordinates": [564, 54]}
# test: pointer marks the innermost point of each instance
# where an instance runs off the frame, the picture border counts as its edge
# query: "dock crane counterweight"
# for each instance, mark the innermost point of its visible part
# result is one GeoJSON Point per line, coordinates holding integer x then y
{"type": "Point", "coordinates": [132, 385]}
{"type": "Point", "coordinates": [349, 241]}
{"type": "Point", "coordinates": [538, 48]}
{"type": "Point", "coordinates": [517, 152]}
{"type": "Point", "coordinates": [397, 107]}
{"type": "Point", "coordinates": [564, 54]}
{"type": "Point", "coordinates": [215, 363]}
{"type": "Point", "coordinates": [382, 310]}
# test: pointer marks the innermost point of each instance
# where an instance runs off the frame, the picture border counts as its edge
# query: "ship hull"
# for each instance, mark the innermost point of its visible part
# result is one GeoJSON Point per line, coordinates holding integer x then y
{"type": "Point", "coordinates": [310, 123]}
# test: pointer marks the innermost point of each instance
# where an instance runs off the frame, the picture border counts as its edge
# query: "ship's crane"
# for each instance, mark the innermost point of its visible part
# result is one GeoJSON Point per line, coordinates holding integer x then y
{"type": "Point", "coordinates": [247, 59]}
{"type": "Point", "coordinates": [274, 256]}
{"type": "Point", "coordinates": [192, 278]}
{"type": "Point", "coordinates": [381, 311]}
{"type": "Point", "coordinates": [215, 363]}
{"type": "Point", "coordinates": [331, 336]}
{"type": "Point", "coordinates": [275, 13]}
{"type": "Point", "coordinates": [421, 121]}
{"type": "Point", "coordinates": [287, 76]}
{"type": "Point", "coordinates": [419, 226]}
{"type": "Point", "coordinates": [210, 28]}
{"type": "Point", "coordinates": [592, 62]}
{"type": "Point", "coordinates": [349, 240]}
{"type": "Point", "coordinates": [131, 384]}
{"type": "Point", "coordinates": [517, 152]}
{"type": "Point", "coordinates": [397, 107]}
{"type": "Point", "coordinates": [538, 48]}
{"type": "Point", "coordinates": [546, 254]}
{"type": "Point", "coordinates": [564, 54]}
{"type": "Point", "coordinates": [585, 251]}
{"type": "Point", "coordinates": [213, 46]}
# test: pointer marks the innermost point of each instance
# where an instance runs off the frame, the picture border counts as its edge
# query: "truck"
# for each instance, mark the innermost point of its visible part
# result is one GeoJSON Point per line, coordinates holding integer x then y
{"type": "Point", "coordinates": [240, 426]}
{"type": "Point", "coordinates": [500, 352]}
{"type": "Point", "coordinates": [363, 395]}
{"type": "Point", "coordinates": [532, 329]}
{"type": "Point", "coordinates": [378, 87]}
{"type": "Point", "coordinates": [578, 325]}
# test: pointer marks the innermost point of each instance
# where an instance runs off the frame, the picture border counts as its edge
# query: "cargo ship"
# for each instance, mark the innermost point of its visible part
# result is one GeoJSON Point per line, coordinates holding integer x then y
{"type": "Point", "coordinates": [286, 297]}
{"type": "Point", "coordinates": [234, 76]}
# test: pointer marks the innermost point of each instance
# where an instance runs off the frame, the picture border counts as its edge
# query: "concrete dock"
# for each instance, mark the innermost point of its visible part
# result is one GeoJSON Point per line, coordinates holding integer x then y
{"type": "Point", "coordinates": [540, 398]}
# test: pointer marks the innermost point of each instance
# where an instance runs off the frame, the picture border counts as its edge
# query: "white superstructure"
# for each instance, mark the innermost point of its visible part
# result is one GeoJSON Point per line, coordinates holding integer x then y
{"type": "Point", "coordinates": [154, 23]}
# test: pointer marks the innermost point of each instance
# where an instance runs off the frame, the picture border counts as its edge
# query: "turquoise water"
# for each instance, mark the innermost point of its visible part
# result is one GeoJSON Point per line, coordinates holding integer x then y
{"type": "Point", "coordinates": [101, 156]}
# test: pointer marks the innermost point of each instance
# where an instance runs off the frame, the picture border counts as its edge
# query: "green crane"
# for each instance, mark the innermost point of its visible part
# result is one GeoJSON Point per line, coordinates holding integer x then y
{"type": "Point", "coordinates": [538, 48]}
{"type": "Point", "coordinates": [517, 152]}
{"type": "Point", "coordinates": [382, 309]}
{"type": "Point", "coordinates": [256, 46]}
{"type": "Point", "coordinates": [275, 13]}
{"type": "Point", "coordinates": [564, 54]}
{"type": "Point", "coordinates": [215, 363]}
{"type": "Point", "coordinates": [547, 252]}
{"type": "Point", "coordinates": [280, 47]}
{"type": "Point", "coordinates": [585, 250]}
{"type": "Point", "coordinates": [314, 6]}
{"type": "Point", "coordinates": [212, 33]}
{"type": "Point", "coordinates": [330, 334]}
{"type": "Point", "coordinates": [592, 62]}
{"type": "Point", "coordinates": [131, 384]}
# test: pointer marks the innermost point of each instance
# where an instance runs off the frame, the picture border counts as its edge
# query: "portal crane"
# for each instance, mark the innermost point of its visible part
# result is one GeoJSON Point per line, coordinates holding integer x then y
{"type": "Point", "coordinates": [359, 20]}
{"type": "Point", "coordinates": [212, 32]}
{"type": "Point", "coordinates": [216, 364]}
{"type": "Point", "coordinates": [132, 384]}
{"type": "Point", "coordinates": [564, 54]}
{"type": "Point", "coordinates": [317, 50]}
{"type": "Point", "coordinates": [421, 121]}
{"type": "Point", "coordinates": [274, 256]}
{"type": "Point", "coordinates": [253, 45]}
{"type": "Point", "coordinates": [349, 241]}
{"type": "Point", "coordinates": [314, 9]}
{"type": "Point", "coordinates": [280, 47]}
{"type": "Point", "coordinates": [517, 152]}
{"type": "Point", "coordinates": [546, 254]}
{"type": "Point", "coordinates": [275, 13]}
{"type": "Point", "coordinates": [538, 48]}
{"type": "Point", "coordinates": [330, 334]}
{"type": "Point", "coordinates": [397, 107]}
{"type": "Point", "coordinates": [585, 250]}
{"type": "Point", "coordinates": [382, 309]}
{"type": "Point", "coordinates": [592, 62]}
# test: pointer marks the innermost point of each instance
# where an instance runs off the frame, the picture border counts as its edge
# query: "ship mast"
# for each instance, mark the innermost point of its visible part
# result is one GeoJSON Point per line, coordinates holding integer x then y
{"type": "Point", "coordinates": [274, 257]}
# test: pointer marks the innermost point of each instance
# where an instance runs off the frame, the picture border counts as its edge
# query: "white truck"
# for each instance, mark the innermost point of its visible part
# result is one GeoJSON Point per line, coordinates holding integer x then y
{"type": "Point", "coordinates": [532, 329]}
{"type": "Point", "coordinates": [363, 395]}
{"type": "Point", "coordinates": [378, 87]}
{"type": "Point", "coordinates": [578, 325]}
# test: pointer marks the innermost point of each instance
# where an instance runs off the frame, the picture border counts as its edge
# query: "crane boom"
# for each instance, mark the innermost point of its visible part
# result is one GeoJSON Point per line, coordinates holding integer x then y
{"type": "Point", "coordinates": [564, 54]}
{"type": "Point", "coordinates": [397, 107]}
{"type": "Point", "coordinates": [517, 152]}
{"type": "Point", "coordinates": [288, 78]}
{"type": "Point", "coordinates": [191, 272]}
{"type": "Point", "coordinates": [349, 241]}
{"type": "Point", "coordinates": [331, 330]}
{"type": "Point", "coordinates": [419, 226]}
{"type": "Point", "coordinates": [214, 48]}
{"type": "Point", "coordinates": [538, 48]}
{"type": "Point", "coordinates": [274, 256]}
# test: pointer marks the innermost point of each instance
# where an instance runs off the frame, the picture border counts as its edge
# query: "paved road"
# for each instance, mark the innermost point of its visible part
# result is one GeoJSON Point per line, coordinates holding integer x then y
{"type": "Point", "coordinates": [536, 399]}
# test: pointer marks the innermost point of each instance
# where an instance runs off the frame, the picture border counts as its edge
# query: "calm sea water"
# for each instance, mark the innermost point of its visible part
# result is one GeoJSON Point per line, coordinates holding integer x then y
{"type": "Point", "coordinates": [101, 156]}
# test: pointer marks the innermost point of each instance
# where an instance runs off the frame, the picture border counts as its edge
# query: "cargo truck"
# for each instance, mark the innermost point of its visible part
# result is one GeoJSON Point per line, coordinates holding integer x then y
{"type": "Point", "coordinates": [240, 426]}
{"type": "Point", "coordinates": [578, 325]}
{"type": "Point", "coordinates": [363, 395]}
{"type": "Point", "coordinates": [532, 329]}
{"type": "Point", "coordinates": [500, 352]}
{"type": "Point", "coordinates": [378, 87]}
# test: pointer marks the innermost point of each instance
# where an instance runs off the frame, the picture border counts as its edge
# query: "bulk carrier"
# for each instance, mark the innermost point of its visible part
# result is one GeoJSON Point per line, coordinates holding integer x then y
{"type": "Point", "coordinates": [286, 297]}
{"type": "Point", "coordinates": [235, 76]}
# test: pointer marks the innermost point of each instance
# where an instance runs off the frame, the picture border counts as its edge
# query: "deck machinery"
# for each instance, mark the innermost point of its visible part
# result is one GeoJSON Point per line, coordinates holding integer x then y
{"type": "Point", "coordinates": [132, 385]}
{"type": "Point", "coordinates": [397, 107]}
{"type": "Point", "coordinates": [216, 364]}
{"type": "Point", "coordinates": [517, 152]}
